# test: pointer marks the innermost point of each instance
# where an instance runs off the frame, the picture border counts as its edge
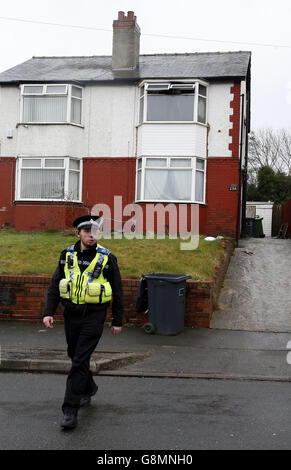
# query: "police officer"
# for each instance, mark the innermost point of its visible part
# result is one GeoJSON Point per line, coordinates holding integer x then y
{"type": "Point", "coordinates": [86, 279]}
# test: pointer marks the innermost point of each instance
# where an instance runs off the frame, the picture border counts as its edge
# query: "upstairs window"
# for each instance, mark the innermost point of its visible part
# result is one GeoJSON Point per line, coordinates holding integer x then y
{"type": "Point", "coordinates": [173, 102]}
{"type": "Point", "coordinates": [51, 104]}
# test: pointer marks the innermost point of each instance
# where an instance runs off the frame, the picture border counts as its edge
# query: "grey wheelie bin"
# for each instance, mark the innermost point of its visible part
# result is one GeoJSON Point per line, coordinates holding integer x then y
{"type": "Point", "coordinates": [166, 302]}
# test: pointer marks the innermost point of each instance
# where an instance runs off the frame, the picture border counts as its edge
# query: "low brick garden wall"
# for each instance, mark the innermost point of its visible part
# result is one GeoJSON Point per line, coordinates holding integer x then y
{"type": "Point", "coordinates": [22, 297]}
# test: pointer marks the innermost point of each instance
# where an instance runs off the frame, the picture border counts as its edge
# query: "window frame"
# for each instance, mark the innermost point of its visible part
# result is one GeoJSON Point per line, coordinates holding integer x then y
{"type": "Point", "coordinates": [141, 168]}
{"type": "Point", "coordinates": [67, 93]}
{"type": "Point", "coordinates": [174, 84]}
{"type": "Point", "coordinates": [66, 168]}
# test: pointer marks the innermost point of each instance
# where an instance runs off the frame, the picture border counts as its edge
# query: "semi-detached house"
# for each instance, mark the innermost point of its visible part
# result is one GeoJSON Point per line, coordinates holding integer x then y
{"type": "Point", "coordinates": [154, 128]}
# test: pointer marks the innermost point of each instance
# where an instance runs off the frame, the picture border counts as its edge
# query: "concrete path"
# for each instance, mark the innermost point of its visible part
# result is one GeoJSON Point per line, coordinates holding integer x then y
{"type": "Point", "coordinates": [257, 289]}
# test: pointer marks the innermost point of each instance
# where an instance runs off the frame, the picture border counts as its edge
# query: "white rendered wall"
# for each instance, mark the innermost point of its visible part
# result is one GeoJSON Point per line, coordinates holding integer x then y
{"type": "Point", "coordinates": [110, 121]}
{"type": "Point", "coordinates": [219, 112]}
{"type": "Point", "coordinates": [108, 126]}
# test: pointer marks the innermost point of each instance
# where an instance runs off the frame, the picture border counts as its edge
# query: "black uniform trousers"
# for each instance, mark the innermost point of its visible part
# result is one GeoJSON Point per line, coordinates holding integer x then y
{"type": "Point", "coordinates": [83, 331]}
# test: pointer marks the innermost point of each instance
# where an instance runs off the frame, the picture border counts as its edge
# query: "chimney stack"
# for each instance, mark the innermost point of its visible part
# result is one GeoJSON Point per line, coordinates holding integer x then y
{"type": "Point", "coordinates": [126, 34]}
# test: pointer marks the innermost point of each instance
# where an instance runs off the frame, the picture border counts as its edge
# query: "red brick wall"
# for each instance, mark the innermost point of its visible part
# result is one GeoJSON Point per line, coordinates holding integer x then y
{"type": "Point", "coordinates": [22, 297]}
{"type": "Point", "coordinates": [222, 203]}
{"type": "Point", "coordinates": [44, 216]}
{"type": "Point", "coordinates": [105, 178]}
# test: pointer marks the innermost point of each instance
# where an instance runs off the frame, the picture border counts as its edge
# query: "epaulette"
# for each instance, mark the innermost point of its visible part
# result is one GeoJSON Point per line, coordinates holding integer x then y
{"type": "Point", "coordinates": [103, 250]}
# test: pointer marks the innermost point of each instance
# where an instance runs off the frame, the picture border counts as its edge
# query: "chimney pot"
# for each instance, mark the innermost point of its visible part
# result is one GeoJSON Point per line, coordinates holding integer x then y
{"type": "Point", "coordinates": [126, 36]}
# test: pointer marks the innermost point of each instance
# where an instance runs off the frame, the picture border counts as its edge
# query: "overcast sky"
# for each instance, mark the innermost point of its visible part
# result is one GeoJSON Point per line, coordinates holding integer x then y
{"type": "Point", "coordinates": [249, 21]}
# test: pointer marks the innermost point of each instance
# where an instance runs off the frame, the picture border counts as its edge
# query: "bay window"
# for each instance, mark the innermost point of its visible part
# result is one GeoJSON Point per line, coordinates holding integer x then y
{"type": "Point", "coordinates": [49, 178]}
{"type": "Point", "coordinates": [173, 102]}
{"type": "Point", "coordinates": [170, 179]}
{"type": "Point", "coordinates": [51, 103]}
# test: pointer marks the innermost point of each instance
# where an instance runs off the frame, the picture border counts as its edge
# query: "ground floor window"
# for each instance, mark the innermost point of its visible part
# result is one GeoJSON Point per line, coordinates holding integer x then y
{"type": "Point", "coordinates": [171, 179]}
{"type": "Point", "coordinates": [49, 178]}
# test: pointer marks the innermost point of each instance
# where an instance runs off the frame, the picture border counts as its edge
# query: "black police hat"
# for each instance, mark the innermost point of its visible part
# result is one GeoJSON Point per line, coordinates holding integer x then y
{"type": "Point", "coordinates": [85, 221]}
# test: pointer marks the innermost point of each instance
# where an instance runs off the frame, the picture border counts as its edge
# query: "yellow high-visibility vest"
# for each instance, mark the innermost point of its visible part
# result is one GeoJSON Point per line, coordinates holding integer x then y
{"type": "Point", "coordinates": [87, 287]}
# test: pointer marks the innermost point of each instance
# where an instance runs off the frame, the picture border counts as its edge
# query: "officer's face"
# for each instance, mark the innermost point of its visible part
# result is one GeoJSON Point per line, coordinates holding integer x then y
{"type": "Point", "coordinates": [87, 236]}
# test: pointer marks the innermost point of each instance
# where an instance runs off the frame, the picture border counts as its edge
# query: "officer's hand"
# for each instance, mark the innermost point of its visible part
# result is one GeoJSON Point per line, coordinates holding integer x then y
{"type": "Point", "coordinates": [115, 330]}
{"type": "Point", "coordinates": [48, 322]}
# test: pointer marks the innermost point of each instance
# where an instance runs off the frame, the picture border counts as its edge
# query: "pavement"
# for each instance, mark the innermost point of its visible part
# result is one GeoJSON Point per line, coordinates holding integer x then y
{"type": "Point", "coordinates": [193, 353]}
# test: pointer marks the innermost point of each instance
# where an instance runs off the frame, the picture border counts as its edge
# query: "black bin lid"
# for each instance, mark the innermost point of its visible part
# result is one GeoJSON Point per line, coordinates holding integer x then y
{"type": "Point", "coordinates": [168, 277]}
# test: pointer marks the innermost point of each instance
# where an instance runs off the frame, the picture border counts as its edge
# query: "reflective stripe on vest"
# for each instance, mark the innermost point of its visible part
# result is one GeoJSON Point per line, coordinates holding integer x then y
{"type": "Point", "coordinates": [89, 286]}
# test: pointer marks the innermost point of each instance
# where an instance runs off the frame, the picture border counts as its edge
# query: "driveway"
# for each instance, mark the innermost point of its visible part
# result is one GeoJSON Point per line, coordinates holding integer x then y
{"type": "Point", "coordinates": [256, 295]}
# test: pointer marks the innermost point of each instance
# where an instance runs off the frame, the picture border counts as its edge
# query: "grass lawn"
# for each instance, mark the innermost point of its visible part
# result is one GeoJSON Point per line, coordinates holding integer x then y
{"type": "Point", "coordinates": [38, 253]}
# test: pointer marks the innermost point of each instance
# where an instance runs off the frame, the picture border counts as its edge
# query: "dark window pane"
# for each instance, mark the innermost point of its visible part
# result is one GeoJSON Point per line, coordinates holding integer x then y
{"type": "Point", "coordinates": [76, 108]}
{"type": "Point", "coordinates": [201, 110]}
{"type": "Point", "coordinates": [202, 90]}
{"type": "Point", "coordinates": [141, 110]}
{"type": "Point", "coordinates": [170, 108]}
{"type": "Point", "coordinates": [199, 186]}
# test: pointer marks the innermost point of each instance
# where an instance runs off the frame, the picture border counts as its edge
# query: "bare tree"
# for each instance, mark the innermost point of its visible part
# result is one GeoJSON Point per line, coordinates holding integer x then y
{"type": "Point", "coordinates": [269, 147]}
{"type": "Point", "coordinates": [285, 141]}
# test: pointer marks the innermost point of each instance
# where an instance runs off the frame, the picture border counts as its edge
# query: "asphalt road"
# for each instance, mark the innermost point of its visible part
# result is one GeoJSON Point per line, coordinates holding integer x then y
{"type": "Point", "coordinates": [146, 414]}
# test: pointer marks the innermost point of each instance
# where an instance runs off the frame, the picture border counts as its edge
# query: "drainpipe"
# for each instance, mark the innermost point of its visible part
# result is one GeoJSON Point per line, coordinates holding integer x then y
{"type": "Point", "coordinates": [240, 171]}
{"type": "Point", "coordinates": [244, 189]}
{"type": "Point", "coordinates": [245, 170]}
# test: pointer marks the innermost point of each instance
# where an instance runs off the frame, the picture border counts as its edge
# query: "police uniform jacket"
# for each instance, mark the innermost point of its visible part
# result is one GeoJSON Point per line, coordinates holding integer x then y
{"type": "Point", "coordinates": [110, 272]}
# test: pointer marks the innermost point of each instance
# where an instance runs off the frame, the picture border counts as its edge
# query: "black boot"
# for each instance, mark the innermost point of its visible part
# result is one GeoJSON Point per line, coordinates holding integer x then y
{"type": "Point", "coordinates": [86, 399]}
{"type": "Point", "coordinates": [70, 419]}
